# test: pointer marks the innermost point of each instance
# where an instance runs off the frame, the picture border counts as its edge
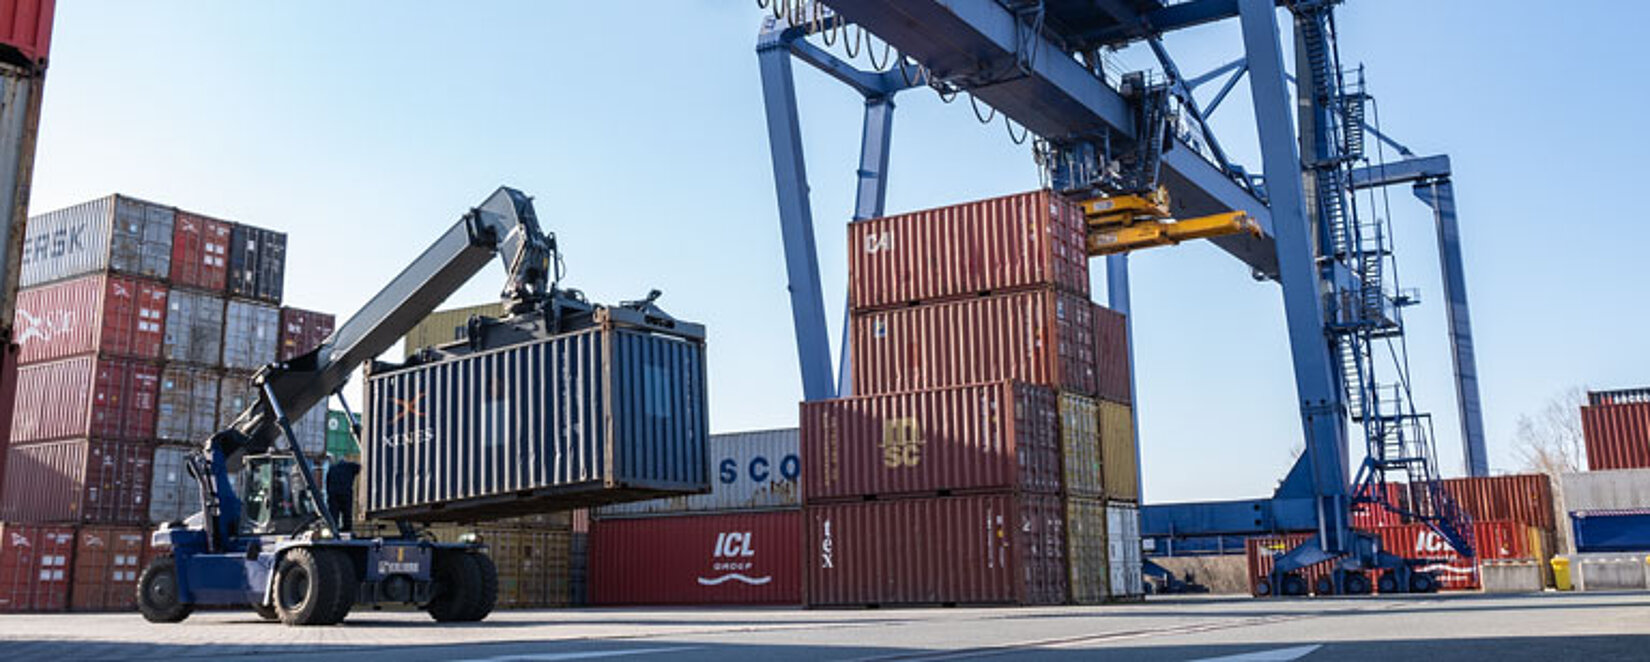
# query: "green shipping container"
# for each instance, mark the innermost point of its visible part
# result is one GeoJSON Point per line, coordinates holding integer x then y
{"type": "Point", "coordinates": [340, 443]}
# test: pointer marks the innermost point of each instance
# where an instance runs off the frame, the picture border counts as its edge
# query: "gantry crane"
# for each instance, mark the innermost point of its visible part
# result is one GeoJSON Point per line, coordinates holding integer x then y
{"type": "Point", "coordinates": [1137, 151]}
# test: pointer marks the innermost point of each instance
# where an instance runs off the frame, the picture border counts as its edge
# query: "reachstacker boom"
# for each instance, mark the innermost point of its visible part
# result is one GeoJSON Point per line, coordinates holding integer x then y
{"type": "Point", "coordinates": [1136, 149]}
{"type": "Point", "coordinates": [278, 549]}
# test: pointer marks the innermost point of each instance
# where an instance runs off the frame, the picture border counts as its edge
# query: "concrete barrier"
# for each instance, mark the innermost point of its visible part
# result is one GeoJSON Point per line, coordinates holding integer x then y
{"type": "Point", "coordinates": [1610, 572]}
{"type": "Point", "coordinates": [1512, 575]}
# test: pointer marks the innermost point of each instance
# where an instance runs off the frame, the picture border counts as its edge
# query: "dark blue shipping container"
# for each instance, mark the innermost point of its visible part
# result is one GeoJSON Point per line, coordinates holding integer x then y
{"type": "Point", "coordinates": [1611, 530]}
{"type": "Point", "coordinates": [605, 415]}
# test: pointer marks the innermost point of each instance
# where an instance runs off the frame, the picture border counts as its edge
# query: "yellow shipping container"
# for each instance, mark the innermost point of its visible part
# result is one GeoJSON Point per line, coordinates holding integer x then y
{"type": "Point", "coordinates": [1080, 445]}
{"type": "Point", "coordinates": [445, 326]}
{"type": "Point", "coordinates": [1119, 463]}
{"type": "Point", "coordinates": [534, 562]}
{"type": "Point", "coordinates": [1086, 550]}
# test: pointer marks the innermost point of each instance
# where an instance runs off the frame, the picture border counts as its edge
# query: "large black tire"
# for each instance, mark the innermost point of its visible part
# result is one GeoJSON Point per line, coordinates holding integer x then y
{"type": "Point", "coordinates": [466, 587]}
{"type": "Point", "coordinates": [157, 593]}
{"type": "Point", "coordinates": [1357, 583]}
{"type": "Point", "coordinates": [313, 587]}
{"type": "Point", "coordinates": [1292, 585]}
{"type": "Point", "coordinates": [1388, 583]}
{"type": "Point", "coordinates": [1423, 582]}
{"type": "Point", "coordinates": [266, 613]}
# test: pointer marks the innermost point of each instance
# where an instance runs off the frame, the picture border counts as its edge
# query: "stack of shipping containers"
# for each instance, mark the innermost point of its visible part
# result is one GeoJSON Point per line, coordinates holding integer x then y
{"type": "Point", "coordinates": [124, 342]}
{"type": "Point", "coordinates": [972, 463]}
{"type": "Point", "coordinates": [739, 544]}
{"type": "Point", "coordinates": [1607, 507]}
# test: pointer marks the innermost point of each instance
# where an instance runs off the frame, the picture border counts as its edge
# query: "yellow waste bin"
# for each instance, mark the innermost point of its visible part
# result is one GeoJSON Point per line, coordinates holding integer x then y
{"type": "Point", "coordinates": [1561, 573]}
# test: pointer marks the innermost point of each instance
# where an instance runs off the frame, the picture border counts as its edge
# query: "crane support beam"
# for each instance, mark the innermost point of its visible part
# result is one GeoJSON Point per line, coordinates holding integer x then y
{"type": "Point", "coordinates": [1407, 171]}
{"type": "Point", "coordinates": [975, 44]}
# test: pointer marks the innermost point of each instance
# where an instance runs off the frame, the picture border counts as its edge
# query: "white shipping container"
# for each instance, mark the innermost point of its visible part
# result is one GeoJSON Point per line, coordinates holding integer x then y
{"type": "Point", "coordinates": [113, 233]}
{"type": "Point", "coordinates": [1617, 489]}
{"type": "Point", "coordinates": [250, 334]}
{"type": "Point", "coordinates": [194, 328]}
{"type": "Point", "coordinates": [755, 470]}
{"type": "Point", "coordinates": [1123, 547]}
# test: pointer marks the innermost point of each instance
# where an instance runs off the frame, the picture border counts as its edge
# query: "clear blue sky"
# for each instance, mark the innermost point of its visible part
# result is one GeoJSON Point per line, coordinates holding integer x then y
{"type": "Point", "coordinates": [363, 129]}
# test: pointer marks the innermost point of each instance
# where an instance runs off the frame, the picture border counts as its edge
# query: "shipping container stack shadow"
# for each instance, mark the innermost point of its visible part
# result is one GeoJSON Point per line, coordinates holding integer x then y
{"type": "Point", "coordinates": [987, 454]}
{"type": "Point", "coordinates": [124, 343]}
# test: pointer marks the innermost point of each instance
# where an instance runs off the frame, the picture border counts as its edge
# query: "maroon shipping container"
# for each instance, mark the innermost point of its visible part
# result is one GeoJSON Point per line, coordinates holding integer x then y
{"type": "Point", "coordinates": [1002, 244]}
{"type": "Point", "coordinates": [978, 549]}
{"type": "Point", "coordinates": [998, 436]}
{"type": "Point", "coordinates": [302, 331]}
{"type": "Point", "coordinates": [732, 558]}
{"type": "Point", "coordinates": [106, 565]}
{"type": "Point", "coordinates": [78, 480]}
{"type": "Point", "coordinates": [1617, 434]}
{"type": "Point", "coordinates": [85, 397]}
{"type": "Point", "coordinates": [1526, 498]}
{"type": "Point", "coordinates": [1043, 337]}
{"type": "Point", "coordinates": [26, 25]}
{"type": "Point", "coordinates": [1372, 515]}
{"type": "Point", "coordinates": [35, 566]}
{"type": "Point", "coordinates": [109, 315]}
{"type": "Point", "coordinates": [1113, 375]}
{"type": "Point", "coordinates": [200, 251]}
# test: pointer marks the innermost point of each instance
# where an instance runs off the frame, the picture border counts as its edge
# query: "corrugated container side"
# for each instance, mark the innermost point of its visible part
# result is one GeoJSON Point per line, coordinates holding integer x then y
{"type": "Point", "coordinates": [106, 568]}
{"type": "Point", "coordinates": [1123, 550]}
{"type": "Point", "coordinates": [272, 267]}
{"type": "Point", "coordinates": [532, 566]}
{"type": "Point", "coordinates": [445, 326]}
{"type": "Point", "coordinates": [340, 441]}
{"type": "Point", "coordinates": [971, 438]}
{"type": "Point", "coordinates": [1043, 337]}
{"type": "Point", "coordinates": [250, 333]}
{"type": "Point", "coordinates": [85, 396]}
{"type": "Point", "coordinates": [78, 480]}
{"type": "Point", "coordinates": [1606, 490]}
{"type": "Point", "coordinates": [194, 328]}
{"type": "Point", "coordinates": [173, 494]}
{"type": "Point", "coordinates": [1002, 244]}
{"type": "Point", "coordinates": [235, 394]}
{"type": "Point", "coordinates": [756, 470]}
{"type": "Point", "coordinates": [1086, 549]}
{"type": "Point", "coordinates": [27, 26]}
{"type": "Point", "coordinates": [1080, 445]}
{"type": "Point", "coordinates": [1263, 553]}
{"type": "Point", "coordinates": [1119, 462]}
{"type": "Point", "coordinates": [602, 416]}
{"type": "Point", "coordinates": [978, 549]}
{"type": "Point", "coordinates": [1114, 378]}
{"type": "Point", "coordinates": [188, 403]}
{"type": "Point", "coordinates": [257, 263]}
{"type": "Point", "coordinates": [1373, 515]}
{"type": "Point", "coordinates": [717, 558]}
{"type": "Point", "coordinates": [200, 252]}
{"type": "Point", "coordinates": [110, 315]}
{"type": "Point", "coordinates": [142, 238]}
{"type": "Point", "coordinates": [67, 242]}
{"type": "Point", "coordinates": [1526, 498]}
{"type": "Point", "coordinates": [1494, 540]}
{"type": "Point", "coordinates": [302, 331]}
{"type": "Point", "coordinates": [311, 431]}
{"type": "Point", "coordinates": [35, 567]}
{"type": "Point", "coordinates": [1617, 435]}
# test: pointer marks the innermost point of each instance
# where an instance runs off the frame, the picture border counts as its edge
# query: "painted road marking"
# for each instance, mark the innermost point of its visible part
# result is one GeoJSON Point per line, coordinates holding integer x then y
{"type": "Point", "coordinates": [1277, 655]}
{"type": "Point", "coordinates": [580, 655]}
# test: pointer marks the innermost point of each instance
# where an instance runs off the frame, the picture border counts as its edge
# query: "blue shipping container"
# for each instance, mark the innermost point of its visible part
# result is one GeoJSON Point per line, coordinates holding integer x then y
{"type": "Point", "coordinates": [750, 471]}
{"type": "Point", "coordinates": [1611, 530]}
{"type": "Point", "coordinates": [609, 414]}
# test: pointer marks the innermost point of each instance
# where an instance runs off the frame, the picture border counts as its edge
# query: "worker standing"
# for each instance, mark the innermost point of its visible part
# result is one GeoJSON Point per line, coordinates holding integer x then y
{"type": "Point", "coordinates": [341, 492]}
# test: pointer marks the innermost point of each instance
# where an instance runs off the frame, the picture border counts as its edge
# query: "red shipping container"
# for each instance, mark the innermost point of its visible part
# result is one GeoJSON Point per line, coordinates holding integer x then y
{"type": "Point", "coordinates": [1526, 498]}
{"type": "Point", "coordinates": [78, 481]}
{"type": "Point", "coordinates": [1492, 540]}
{"type": "Point", "coordinates": [26, 25]}
{"type": "Point", "coordinates": [85, 397]}
{"type": "Point", "coordinates": [734, 558]}
{"type": "Point", "coordinates": [108, 315]}
{"type": "Point", "coordinates": [106, 567]}
{"type": "Point", "coordinates": [1114, 379]}
{"type": "Point", "coordinates": [1617, 432]}
{"type": "Point", "coordinates": [1043, 337]}
{"type": "Point", "coordinates": [35, 567]}
{"type": "Point", "coordinates": [302, 331]}
{"type": "Point", "coordinates": [1372, 515]}
{"type": "Point", "coordinates": [200, 251]}
{"type": "Point", "coordinates": [971, 438]}
{"type": "Point", "coordinates": [978, 549]}
{"type": "Point", "coordinates": [1002, 244]}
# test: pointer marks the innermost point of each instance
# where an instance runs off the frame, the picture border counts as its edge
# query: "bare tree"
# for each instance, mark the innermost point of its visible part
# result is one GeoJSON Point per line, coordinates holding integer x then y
{"type": "Point", "coordinates": [1549, 441]}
